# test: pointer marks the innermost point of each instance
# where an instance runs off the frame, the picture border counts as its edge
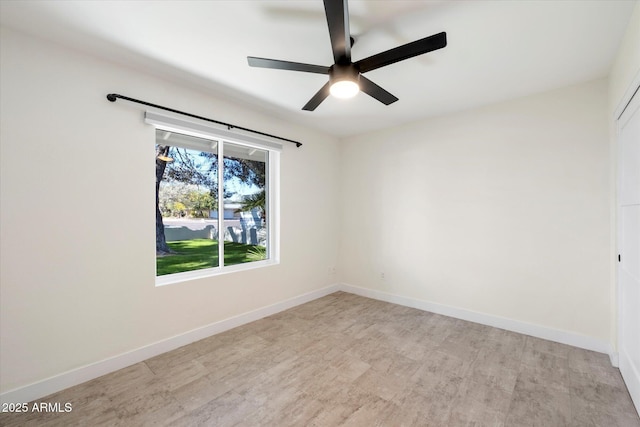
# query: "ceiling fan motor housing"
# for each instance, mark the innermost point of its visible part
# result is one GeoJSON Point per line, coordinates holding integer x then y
{"type": "Point", "coordinates": [341, 72]}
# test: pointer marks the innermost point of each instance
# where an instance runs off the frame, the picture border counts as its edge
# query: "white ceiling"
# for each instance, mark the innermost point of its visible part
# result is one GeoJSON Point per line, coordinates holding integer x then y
{"type": "Point", "coordinates": [496, 50]}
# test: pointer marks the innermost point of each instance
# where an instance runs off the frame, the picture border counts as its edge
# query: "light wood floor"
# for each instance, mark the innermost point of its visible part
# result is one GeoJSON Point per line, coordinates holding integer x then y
{"type": "Point", "coordinates": [352, 361]}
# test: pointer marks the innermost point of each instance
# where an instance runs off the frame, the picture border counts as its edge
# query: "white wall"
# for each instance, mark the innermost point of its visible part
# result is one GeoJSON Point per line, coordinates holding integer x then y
{"type": "Point", "coordinates": [76, 295]}
{"type": "Point", "coordinates": [501, 210]}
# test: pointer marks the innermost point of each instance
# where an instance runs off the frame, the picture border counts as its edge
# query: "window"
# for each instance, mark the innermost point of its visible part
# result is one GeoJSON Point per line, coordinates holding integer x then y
{"type": "Point", "coordinates": [216, 200]}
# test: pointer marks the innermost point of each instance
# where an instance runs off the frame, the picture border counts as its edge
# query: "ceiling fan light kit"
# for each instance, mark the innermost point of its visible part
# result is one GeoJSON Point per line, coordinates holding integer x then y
{"type": "Point", "coordinates": [345, 76]}
{"type": "Point", "coordinates": [344, 80]}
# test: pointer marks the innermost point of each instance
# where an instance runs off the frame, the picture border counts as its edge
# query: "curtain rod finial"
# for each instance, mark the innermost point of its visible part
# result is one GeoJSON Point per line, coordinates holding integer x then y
{"type": "Point", "coordinates": [112, 97]}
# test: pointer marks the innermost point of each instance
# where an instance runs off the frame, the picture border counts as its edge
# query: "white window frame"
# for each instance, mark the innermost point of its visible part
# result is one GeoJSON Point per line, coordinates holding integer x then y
{"type": "Point", "coordinates": [205, 130]}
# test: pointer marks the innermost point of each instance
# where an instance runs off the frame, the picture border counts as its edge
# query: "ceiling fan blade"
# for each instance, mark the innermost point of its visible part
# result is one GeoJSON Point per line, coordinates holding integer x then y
{"type": "Point", "coordinates": [286, 65]}
{"type": "Point", "coordinates": [400, 53]}
{"type": "Point", "coordinates": [337, 12]}
{"type": "Point", "coordinates": [320, 96]}
{"type": "Point", "coordinates": [375, 91]}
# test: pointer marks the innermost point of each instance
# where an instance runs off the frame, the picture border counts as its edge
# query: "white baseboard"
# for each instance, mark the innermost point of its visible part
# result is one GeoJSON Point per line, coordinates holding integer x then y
{"type": "Point", "coordinates": [79, 375]}
{"type": "Point", "coordinates": [615, 359]}
{"type": "Point", "coordinates": [560, 336]}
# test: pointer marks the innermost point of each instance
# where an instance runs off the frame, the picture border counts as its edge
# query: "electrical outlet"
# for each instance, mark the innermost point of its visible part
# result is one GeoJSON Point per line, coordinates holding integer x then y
{"type": "Point", "coordinates": [332, 271]}
{"type": "Point", "coordinates": [382, 275]}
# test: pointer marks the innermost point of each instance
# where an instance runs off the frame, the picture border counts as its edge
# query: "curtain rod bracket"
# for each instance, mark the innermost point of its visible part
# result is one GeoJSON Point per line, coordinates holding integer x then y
{"type": "Point", "coordinates": [112, 97]}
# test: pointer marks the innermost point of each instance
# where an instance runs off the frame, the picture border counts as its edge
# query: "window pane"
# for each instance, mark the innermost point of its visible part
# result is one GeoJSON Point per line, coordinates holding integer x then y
{"type": "Point", "coordinates": [186, 203]}
{"type": "Point", "coordinates": [245, 204]}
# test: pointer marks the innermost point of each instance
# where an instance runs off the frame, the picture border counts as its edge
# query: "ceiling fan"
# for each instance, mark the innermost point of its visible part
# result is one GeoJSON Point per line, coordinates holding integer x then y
{"type": "Point", "coordinates": [345, 76]}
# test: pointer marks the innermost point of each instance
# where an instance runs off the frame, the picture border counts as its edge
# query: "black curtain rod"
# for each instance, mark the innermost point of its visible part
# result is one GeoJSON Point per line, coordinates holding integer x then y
{"type": "Point", "coordinates": [113, 96]}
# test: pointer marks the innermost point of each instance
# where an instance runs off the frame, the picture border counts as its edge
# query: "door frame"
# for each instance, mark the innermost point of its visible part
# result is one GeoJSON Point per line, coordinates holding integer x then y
{"type": "Point", "coordinates": [632, 91]}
